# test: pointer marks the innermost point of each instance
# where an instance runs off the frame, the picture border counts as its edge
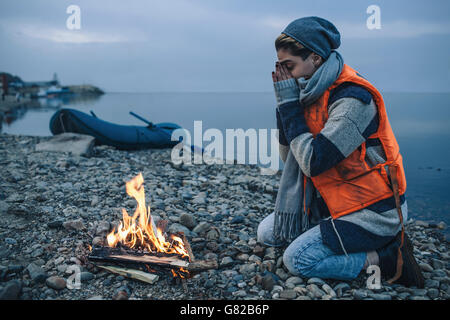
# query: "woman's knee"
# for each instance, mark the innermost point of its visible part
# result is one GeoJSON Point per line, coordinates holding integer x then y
{"type": "Point", "coordinates": [264, 233]}
{"type": "Point", "coordinates": [302, 255]}
{"type": "Point", "coordinates": [301, 262]}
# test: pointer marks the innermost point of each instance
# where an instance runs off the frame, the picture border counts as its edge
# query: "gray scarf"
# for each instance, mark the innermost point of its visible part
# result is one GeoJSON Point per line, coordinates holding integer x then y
{"type": "Point", "coordinates": [291, 217]}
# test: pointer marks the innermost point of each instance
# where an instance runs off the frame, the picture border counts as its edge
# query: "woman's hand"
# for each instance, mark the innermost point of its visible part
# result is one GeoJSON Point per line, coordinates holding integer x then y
{"type": "Point", "coordinates": [285, 85]}
{"type": "Point", "coordinates": [281, 73]}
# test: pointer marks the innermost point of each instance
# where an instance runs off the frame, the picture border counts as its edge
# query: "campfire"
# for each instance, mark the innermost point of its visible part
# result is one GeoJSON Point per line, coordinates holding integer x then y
{"type": "Point", "coordinates": [140, 249]}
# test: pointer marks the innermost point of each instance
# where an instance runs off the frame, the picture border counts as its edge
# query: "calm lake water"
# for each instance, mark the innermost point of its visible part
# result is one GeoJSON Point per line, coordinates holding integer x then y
{"type": "Point", "coordinates": [420, 122]}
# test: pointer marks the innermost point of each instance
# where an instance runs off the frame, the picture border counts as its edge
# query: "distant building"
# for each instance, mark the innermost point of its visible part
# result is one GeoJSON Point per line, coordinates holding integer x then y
{"type": "Point", "coordinates": [16, 82]}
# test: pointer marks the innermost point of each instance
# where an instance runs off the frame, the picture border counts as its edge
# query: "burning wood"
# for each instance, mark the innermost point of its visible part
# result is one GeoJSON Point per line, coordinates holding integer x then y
{"type": "Point", "coordinates": [122, 257]}
{"type": "Point", "coordinates": [139, 246]}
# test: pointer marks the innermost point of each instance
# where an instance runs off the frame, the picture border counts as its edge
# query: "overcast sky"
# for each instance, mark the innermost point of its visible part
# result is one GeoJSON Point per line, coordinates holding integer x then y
{"type": "Point", "coordinates": [216, 45]}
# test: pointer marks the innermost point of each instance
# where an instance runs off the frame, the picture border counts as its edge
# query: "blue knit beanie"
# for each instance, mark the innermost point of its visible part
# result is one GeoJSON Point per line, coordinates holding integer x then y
{"type": "Point", "coordinates": [316, 34]}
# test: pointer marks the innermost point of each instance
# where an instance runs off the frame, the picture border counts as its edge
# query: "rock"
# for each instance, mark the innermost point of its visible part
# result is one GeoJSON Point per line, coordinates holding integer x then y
{"type": "Point", "coordinates": [97, 241]}
{"type": "Point", "coordinates": [360, 294]}
{"type": "Point", "coordinates": [341, 288]}
{"type": "Point", "coordinates": [294, 281]}
{"type": "Point", "coordinates": [315, 291]}
{"type": "Point", "coordinates": [258, 250]}
{"type": "Point", "coordinates": [86, 276]}
{"type": "Point", "coordinates": [210, 256]}
{"type": "Point", "coordinates": [239, 293]}
{"type": "Point", "coordinates": [212, 235]}
{"type": "Point", "coordinates": [288, 294]}
{"type": "Point", "coordinates": [421, 223]}
{"type": "Point", "coordinates": [403, 295]}
{"type": "Point", "coordinates": [268, 282]}
{"type": "Point", "coordinates": [11, 290]}
{"type": "Point", "coordinates": [237, 219]}
{"type": "Point", "coordinates": [379, 296]}
{"type": "Point", "coordinates": [268, 265]}
{"type": "Point", "coordinates": [37, 274]}
{"type": "Point", "coordinates": [282, 274]}
{"type": "Point", "coordinates": [103, 227]}
{"type": "Point", "coordinates": [59, 260]}
{"type": "Point", "coordinates": [316, 281]}
{"type": "Point", "coordinates": [199, 199]}
{"type": "Point", "coordinates": [430, 283]}
{"type": "Point", "coordinates": [18, 210]}
{"type": "Point", "coordinates": [439, 274]}
{"type": "Point", "coordinates": [3, 207]}
{"type": "Point", "coordinates": [247, 269]}
{"type": "Point", "coordinates": [437, 264]}
{"type": "Point", "coordinates": [95, 201]}
{"type": "Point", "coordinates": [36, 253]}
{"type": "Point", "coordinates": [226, 261]}
{"type": "Point", "coordinates": [425, 267]}
{"type": "Point", "coordinates": [242, 256]}
{"type": "Point", "coordinates": [187, 196]}
{"type": "Point", "coordinates": [418, 298]}
{"type": "Point", "coordinates": [243, 236]}
{"type": "Point", "coordinates": [254, 258]}
{"type": "Point", "coordinates": [62, 268]}
{"type": "Point", "coordinates": [122, 293]}
{"type": "Point", "coordinates": [55, 224]}
{"type": "Point", "coordinates": [418, 292]}
{"type": "Point", "coordinates": [441, 225]}
{"type": "Point", "coordinates": [56, 282]}
{"type": "Point", "coordinates": [11, 241]}
{"type": "Point", "coordinates": [329, 290]}
{"type": "Point", "coordinates": [212, 245]}
{"type": "Point", "coordinates": [77, 144]}
{"type": "Point", "coordinates": [433, 293]}
{"type": "Point", "coordinates": [77, 225]}
{"type": "Point", "coordinates": [202, 227]}
{"type": "Point", "coordinates": [176, 227]}
{"type": "Point", "coordinates": [188, 220]}
{"type": "Point", "coordinates": [232, 289]}
{"type": "Point", "coordinates": [270, 254]}
{"type": "Point", "coordinates": [242, 246]}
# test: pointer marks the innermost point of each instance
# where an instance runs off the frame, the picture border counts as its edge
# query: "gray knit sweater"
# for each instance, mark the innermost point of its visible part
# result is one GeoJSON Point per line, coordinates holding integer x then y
{"type": "Point", "coordinates": [352, 118]}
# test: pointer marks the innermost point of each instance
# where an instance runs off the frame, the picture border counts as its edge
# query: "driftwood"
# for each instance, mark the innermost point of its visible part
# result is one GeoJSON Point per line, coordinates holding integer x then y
{"type": "Point", "coordinates": [133, 274]}
{"type": "Point", "coordinates": [120, 256]}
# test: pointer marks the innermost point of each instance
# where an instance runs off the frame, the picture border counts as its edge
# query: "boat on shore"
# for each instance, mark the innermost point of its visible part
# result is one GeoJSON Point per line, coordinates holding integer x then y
{"type": "Point", "coordinates": [53, 92]}
{"type": "Point", "coordinates": [124, 137]}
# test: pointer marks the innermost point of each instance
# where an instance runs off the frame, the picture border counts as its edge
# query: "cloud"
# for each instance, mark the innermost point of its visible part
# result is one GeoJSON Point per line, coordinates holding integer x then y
{"type": "Point", "coordinates": [69, 36]}
{"type": "Point", "coordinates": [38, 30]}
{"type": "Point", "coordinates": [392, 29]}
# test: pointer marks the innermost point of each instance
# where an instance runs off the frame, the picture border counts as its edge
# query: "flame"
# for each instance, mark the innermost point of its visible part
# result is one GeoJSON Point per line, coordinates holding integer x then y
{"type": "Point", "coordinates": [137, 231]}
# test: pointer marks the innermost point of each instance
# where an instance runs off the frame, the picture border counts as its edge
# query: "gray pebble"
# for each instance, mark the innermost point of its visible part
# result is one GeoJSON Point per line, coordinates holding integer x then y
{"type": "Point", "coordinates": [316, 281]}
{"type": "Point", "coordinates": [288, 294]}
{"type": "Point", "coordinates": [56, 282]}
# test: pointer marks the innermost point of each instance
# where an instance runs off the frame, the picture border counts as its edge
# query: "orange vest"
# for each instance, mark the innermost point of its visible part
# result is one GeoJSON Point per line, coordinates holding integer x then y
{"type": "Point", "coordinates": [351, 185]}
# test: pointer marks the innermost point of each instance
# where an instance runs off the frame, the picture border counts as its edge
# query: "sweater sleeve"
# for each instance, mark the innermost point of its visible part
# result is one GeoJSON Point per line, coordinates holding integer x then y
{"type": "Point", "coordinates": [350, 122]}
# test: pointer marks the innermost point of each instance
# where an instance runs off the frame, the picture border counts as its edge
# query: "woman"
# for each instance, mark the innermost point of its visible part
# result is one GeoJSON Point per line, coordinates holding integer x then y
{"type": "Point", "coordinates": [341, 202]}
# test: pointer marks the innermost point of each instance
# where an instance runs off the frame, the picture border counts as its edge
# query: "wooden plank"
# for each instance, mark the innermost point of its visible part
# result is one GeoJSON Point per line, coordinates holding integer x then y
{"type": "Point", "coordinates": [133, 274]}
{"type": "Point", "coordinates": [113, 255]}
{"type": "Point", "coordinates": [169, 261]}
{"type": "Point", "coordinates": [188, 248]}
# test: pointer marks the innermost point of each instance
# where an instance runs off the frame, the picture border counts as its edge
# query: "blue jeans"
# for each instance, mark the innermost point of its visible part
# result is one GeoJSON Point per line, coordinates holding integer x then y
{"type": "Point", "coordinates": [307, 256]}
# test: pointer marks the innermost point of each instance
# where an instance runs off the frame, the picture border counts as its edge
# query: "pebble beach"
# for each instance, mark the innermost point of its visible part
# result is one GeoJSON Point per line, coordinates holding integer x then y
{"type": "Point", "coordinates": [55, 205]}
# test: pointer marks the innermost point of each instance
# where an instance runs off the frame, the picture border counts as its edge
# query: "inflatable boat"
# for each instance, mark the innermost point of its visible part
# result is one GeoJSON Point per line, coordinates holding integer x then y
{"type": "Point", "coordinates": [124, 137]}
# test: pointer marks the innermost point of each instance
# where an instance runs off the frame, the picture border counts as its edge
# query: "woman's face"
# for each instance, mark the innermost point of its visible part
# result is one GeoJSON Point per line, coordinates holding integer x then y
{"type": "Point", "coordinates": [297, 66]}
